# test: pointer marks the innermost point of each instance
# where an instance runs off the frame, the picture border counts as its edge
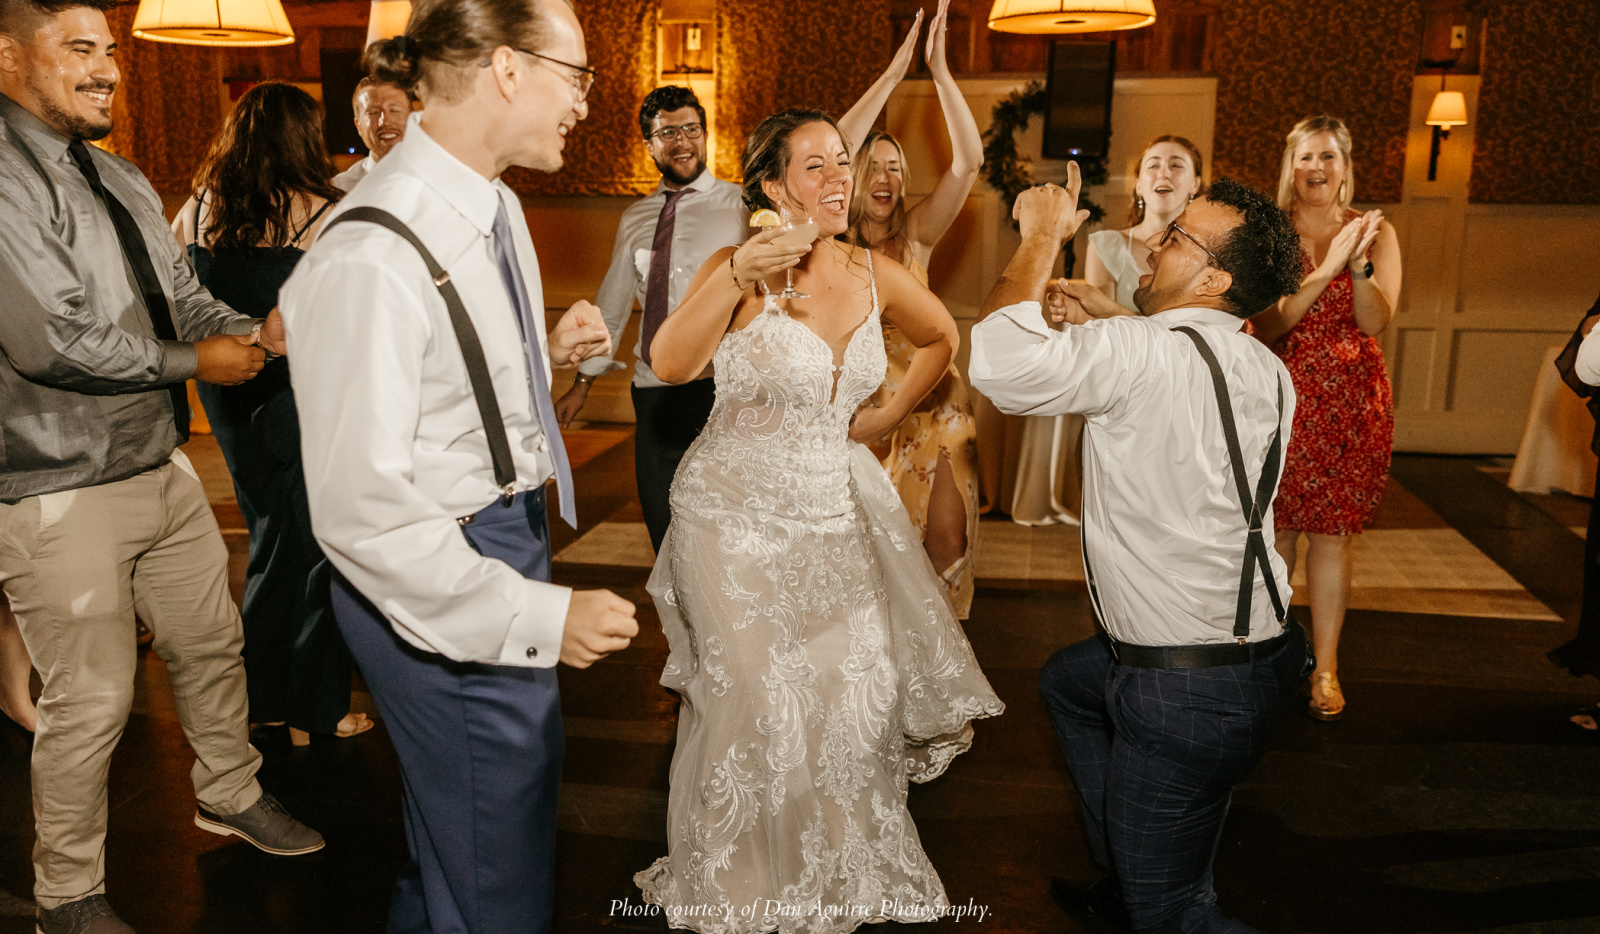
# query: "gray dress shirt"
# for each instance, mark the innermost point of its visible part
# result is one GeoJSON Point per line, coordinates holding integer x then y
{"type": "Point", "coordinates": [709, 218]}
{"type": "Point", "coordinates": [83, 378]}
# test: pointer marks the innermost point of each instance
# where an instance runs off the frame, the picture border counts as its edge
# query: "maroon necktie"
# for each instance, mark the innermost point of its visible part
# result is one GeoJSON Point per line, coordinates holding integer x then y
{"type": "Point", "coordinates": [655, 291]}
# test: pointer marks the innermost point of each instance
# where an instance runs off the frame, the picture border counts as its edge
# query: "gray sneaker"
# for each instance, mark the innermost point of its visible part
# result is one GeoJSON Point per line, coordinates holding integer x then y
{"type": "Point", "coordinates": [92, 915]}
{"type": "Point", "coordinates": [266, 826]}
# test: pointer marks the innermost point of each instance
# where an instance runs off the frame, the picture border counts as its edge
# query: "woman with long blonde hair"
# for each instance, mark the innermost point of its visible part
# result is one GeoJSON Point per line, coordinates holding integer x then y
{"type": "Point", "coordinates": [932, 457]}
{"type": "Point", "coordinates": [1337, 462]}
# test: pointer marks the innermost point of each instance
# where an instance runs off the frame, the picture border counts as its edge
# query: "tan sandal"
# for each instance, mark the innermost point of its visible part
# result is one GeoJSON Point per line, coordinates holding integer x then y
{"type": "Point", "coordinates": [1326, 684]}
{"type": "Point", "coordinates": [359, 723]}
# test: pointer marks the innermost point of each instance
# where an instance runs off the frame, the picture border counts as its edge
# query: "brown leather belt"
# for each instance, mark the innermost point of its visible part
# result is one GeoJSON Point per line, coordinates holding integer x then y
{"type": "Point", "coordinates": [1197, 656]}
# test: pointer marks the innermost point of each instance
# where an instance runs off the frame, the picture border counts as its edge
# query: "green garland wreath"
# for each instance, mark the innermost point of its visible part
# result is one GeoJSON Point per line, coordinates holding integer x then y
{"type": "Point", "coordinates": [1011, 174]}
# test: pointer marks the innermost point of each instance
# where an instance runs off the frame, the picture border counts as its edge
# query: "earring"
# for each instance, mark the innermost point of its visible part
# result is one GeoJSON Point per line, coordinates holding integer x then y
{"type": "Point", "coordinates": [1138, 203]}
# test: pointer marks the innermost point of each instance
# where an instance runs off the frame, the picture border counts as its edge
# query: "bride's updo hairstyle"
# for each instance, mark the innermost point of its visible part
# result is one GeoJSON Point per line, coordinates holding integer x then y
{"type": "Point", "coordinates": [446, 39]}
{"type": "Point", "coordinates": [766, 155]}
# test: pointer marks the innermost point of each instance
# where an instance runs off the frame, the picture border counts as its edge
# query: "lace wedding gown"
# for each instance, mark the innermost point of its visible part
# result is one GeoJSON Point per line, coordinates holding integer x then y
{"type": "Point", "coordinates": [819, 662]}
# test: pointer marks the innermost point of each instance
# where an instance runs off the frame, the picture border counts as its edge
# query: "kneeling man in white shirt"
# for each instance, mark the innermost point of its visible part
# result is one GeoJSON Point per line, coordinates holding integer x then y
{"type": "Point", "coordinates": [1187, 417]}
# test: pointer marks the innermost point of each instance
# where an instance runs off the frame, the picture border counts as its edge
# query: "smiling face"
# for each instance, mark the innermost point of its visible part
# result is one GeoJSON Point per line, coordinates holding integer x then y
{"type": "Point", "coordinates": [1319, 169]}
{"type": "Point", "coordinates": [818, 179]}
{"type": "Point", "coordinates": [63, 73]}
{"type": "Point", "coordinates": [381, 114]}
{"type": "Point", "coordinates": [683, 159]}
{"type": "Point", "coordinates": [1179, 266]}
{"type": "Point", "coordinates": [547, 105]}
{"type": "Point", "coordinates": [884, 185]}
{"type": "Point", "coordinates": [1167, 179]}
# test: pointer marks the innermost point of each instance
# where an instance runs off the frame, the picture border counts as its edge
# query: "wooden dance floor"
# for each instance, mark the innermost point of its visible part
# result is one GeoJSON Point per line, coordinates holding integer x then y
{"type": "Point", "coordinates": [1450, 798]}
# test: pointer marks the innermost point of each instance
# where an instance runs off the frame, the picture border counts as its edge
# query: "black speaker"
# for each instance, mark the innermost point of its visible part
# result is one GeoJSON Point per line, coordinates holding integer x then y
{"type": "Point", "coordinates": [341, 71]}
{"type": "Point", "coordinates": [1077, 119]}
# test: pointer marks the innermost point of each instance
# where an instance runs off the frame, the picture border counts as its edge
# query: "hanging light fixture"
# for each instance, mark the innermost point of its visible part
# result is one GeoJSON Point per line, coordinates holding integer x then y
{"type": "Point", "coordinates": [213, 22]}
{"type": "Point", "coordinates": [1069, 16]}
{"type": "Point", "coordinates": [387, 19]}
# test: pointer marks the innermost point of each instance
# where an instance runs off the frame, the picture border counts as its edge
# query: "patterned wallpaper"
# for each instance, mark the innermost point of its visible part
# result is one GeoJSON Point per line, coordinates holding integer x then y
{"type": "Point", "coordinates": [603, 154]}
{"type": "Point", "coordinates": [825, 55]}
{"type": "Point", "coordinates": [1538, 133]}
{"type": "Point", "coordinates": [1280, 60]}
{"type": "Point", "coordinates": [168, 107]}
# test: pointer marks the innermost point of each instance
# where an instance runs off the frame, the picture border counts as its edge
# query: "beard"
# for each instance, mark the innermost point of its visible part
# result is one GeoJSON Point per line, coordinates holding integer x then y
{"type": "Point", "coordinates": [1150, 300]}
{"type": "Point", "coordinates": [671, 173]}
{"type": "Point", "coordinates": [67, 123]}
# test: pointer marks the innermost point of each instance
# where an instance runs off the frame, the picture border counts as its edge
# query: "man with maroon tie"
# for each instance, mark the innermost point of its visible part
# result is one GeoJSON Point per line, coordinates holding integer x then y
{"type": "Point", "coordinates": [661, 243]}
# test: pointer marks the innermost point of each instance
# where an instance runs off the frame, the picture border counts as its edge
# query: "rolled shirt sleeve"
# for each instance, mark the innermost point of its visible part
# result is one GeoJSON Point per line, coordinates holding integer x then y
{"type": "Point", "coordinates": [1587, 366]}
{"type": "Point", "coordinates": [358, 335]}
{"type": "Point", "coordinates": [615, 301]}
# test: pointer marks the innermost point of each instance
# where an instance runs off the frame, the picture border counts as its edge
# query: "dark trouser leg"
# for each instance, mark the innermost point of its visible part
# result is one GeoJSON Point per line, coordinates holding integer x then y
{"type": "Point", "coordinates": [1073, 686]}
{"type": "Point", "coordinates": [669, 419]}
{"type": "Point", "coordinates": [480, 749]}
{"type": "Point", "coordinates": [297, 664]}
{"type": "Point", "coordinates": [1183, 739]}
{"type": "Point", "coordinates": [1582, 655]}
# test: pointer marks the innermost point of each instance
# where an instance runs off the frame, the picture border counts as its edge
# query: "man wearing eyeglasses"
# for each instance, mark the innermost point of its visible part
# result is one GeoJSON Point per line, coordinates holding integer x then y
{"type": "Point", "coordinates": [1187, 416]}
{"type": "Point", "coordinates": [661, 243]}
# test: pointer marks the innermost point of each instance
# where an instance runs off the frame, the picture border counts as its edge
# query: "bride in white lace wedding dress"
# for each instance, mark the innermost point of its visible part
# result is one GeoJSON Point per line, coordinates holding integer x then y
{"type": "Point", "coordinates": [818, 660]}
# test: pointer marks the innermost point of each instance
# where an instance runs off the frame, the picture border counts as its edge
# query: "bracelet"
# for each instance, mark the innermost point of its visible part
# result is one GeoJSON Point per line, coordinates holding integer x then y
{"type": "Point", "coordinates": [583, 380]}
{"type": "Point", "coordinates": [735, 273]}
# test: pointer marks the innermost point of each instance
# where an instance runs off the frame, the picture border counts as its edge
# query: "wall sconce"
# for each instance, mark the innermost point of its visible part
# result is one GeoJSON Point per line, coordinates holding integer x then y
{"type": "Point", "coordinates": [387, 19]}
{"type": "Point", "coordinates": [213, 22]}
{"type": "Point", "coordinates": [691, 38]}
{"type": "Point", "coordinates": [1449, 109]}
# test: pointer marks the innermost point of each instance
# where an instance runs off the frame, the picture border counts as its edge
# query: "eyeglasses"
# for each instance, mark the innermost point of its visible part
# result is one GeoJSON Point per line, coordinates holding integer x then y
{"type": "Point", "coordinates": [669, 134]}
{"type": "Point", "coordinates": [582, 81]}
{"type": "Point", "coordinates": [1174, 227]}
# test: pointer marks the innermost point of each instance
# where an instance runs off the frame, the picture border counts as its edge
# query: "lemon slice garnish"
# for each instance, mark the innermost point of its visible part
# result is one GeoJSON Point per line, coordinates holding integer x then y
{"type": "Point", "coordinates": [766, 217]}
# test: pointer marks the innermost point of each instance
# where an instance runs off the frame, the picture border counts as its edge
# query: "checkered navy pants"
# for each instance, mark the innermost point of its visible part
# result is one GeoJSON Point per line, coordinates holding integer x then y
{"type": "Point", "coordinates": [1155, 755]}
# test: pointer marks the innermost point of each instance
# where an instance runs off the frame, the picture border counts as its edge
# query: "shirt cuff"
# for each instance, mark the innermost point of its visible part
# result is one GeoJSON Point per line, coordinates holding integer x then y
{"type": "Point", "coordinates": [241, 327]}
{"type": "Point", "coordinates": [1029, 316]}
{"type": "Point", "coordinates": [534, 639]}
{"type": "Point", "coordinates": [179, 360]}
{"type": "Point", "coordinates": [599, 366]}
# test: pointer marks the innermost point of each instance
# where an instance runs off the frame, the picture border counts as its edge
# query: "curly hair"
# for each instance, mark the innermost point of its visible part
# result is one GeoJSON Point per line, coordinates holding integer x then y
{"type": "Point", "coordinates": [666, 98]}
{"type": "Point", "coordinates": [1262, 254]}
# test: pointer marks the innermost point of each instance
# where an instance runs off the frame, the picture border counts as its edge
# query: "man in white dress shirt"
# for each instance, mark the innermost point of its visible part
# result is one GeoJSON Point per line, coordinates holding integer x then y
{"type": "Point", "coordinates": [382, 113]}
{"type": "Point", "coordinates": [441, 587]}
{"type": "Point", "coordinates": [662, 242]}
{"type": "Point", "coordinates": [1162, 714]}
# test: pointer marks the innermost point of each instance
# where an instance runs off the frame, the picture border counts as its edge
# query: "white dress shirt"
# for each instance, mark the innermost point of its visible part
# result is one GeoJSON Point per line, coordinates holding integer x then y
{"type": "Point", "coordinates": [393, 445]}
{"type": "Point", "coordinates": [1587, 366]}
{"type": "Point", "coordinates": [708, 217]}
{"type": "Point", "coordinates": [346, 180]}
{"type": "Point", "coordinates": [1162, 525]}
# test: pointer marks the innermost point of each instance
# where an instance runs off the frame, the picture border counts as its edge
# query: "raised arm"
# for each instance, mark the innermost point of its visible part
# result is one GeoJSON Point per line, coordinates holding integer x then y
{"type": "Point", "coordinates": [1282, 318]}
{"type": "Point", "coordinates": [1048, 217]}
{"type": "Point", "coordinates": [923, 319]}
{"type": "Point", "coordinates": [932, 216]}
{"type": "Point", "coordinates": [1377, 296]}
{"type": "Point", "coordinates": [858, 120]}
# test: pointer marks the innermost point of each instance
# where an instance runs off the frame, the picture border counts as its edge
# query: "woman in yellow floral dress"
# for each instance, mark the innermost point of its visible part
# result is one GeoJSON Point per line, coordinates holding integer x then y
{"type": "Point", "coordinates": [932, 458]}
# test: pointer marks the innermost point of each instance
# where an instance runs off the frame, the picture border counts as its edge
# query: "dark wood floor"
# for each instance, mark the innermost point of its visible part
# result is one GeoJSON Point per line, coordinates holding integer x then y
{"type": "Point", "coordinates": [1452, 797]}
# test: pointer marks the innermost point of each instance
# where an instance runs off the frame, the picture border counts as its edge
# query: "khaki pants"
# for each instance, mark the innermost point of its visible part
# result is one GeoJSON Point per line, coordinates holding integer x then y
{"type": "Point", "coordinates": [75, 566]}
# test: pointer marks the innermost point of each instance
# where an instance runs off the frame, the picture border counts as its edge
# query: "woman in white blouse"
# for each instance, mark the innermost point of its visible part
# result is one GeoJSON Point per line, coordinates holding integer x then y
{"type": "Point", "coordinates": [1169, 178]}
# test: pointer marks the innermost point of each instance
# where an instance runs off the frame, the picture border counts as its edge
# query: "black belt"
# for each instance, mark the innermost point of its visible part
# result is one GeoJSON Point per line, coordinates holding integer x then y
{"type": "Point", "coordinates": [1197, 656]}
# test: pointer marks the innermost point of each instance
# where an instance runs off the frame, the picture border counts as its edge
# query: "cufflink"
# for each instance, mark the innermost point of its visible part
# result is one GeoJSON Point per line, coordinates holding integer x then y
{"type": "Point", "coordinates": [532, 652]}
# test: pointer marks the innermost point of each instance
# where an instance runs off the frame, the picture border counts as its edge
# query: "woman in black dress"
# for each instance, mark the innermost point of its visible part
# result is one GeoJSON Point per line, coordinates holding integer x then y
{"type": "Point", "coordinates": [258, 201]}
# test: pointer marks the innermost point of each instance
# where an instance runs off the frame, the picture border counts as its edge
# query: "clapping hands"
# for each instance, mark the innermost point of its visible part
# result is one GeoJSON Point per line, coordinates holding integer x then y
{"type": "Point", "coordinates": [1350, 245]}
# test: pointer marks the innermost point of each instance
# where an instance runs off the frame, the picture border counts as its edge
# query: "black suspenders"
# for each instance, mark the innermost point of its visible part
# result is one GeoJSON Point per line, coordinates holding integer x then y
{"type": "Point", "coordinates": [505, 472]}
{"type": "Point", "coordinates": [1255, 508]}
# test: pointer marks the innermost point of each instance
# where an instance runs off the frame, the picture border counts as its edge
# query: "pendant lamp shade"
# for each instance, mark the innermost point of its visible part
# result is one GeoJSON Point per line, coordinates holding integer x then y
{"type": "Point", "coordinates": [387, 19]}
{"type": "Point", "coordinates": [1069, 16]}
{"type": "Point", "coordinates": [213, 22]}
{"type": "Point", "coordinates": [1449, 109]}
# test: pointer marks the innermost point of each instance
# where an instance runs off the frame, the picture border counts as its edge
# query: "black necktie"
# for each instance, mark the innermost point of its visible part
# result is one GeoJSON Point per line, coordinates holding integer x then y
{"type": "Point", "coordinates": [133, 247]}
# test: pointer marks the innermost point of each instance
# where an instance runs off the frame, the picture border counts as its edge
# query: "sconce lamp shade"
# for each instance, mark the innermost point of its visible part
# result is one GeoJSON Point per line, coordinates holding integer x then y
{"type": "Point", "coordinates": [213, 22]}
{"type": "Point", "coordinates": [1068, 16]}
{"type": "Point", "coordinates": [388, 19]}
{"type": "Point", "coordinates": [1449, 109]}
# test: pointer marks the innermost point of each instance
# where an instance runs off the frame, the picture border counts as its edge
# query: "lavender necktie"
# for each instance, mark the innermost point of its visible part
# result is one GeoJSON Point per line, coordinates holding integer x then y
{"type": "Point", "coordinates": [655, 290]}
{"type": "Point", "coordinates": [505, 254]}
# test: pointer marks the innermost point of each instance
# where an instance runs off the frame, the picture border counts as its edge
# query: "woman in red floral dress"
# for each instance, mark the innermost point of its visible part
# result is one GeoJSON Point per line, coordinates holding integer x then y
{"type": "Point", "coordinates": [1337, 462]}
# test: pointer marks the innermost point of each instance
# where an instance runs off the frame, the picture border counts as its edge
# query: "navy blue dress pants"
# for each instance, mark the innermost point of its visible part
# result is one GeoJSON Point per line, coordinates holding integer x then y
{"type": "Point", "coordinates": [1155, 754]}
{"type": "Point", "coordinates": [480, 749]}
